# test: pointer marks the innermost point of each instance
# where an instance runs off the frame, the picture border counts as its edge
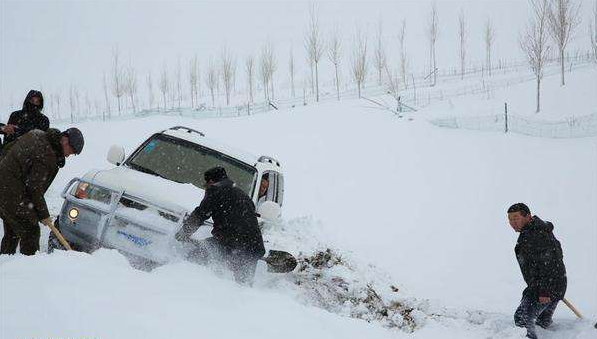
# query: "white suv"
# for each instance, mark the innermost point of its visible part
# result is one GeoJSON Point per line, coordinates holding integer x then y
{"type": "Point", "coordinates": [138, 206]}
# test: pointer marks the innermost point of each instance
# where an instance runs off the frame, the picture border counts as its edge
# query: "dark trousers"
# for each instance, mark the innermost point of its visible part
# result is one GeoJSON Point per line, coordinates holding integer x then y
{"type": "Point", "coordinates": [531, 311]}
{"type": "Point", "coordinates": [27, 236]}
{"type": "Point", "coordinates": [241, 263]}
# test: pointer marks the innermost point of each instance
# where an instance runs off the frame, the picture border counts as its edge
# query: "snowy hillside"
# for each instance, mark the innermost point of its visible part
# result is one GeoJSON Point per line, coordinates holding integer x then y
{"type": "Point", "coordinates": [415, 216]}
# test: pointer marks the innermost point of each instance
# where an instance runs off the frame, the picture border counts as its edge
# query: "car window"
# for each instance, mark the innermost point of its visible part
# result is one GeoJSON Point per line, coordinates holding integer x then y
{"type": "Point", "coordinates": [275, 191]}
{"type": "Point", "coordinates": [185, 162]}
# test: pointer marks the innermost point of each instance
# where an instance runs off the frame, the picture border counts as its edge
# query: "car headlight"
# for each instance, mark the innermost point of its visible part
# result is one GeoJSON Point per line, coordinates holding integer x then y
{"type": "Point", "coordinates": [87, 191]}
{"type": "Point", "coordinates": [73, 214]}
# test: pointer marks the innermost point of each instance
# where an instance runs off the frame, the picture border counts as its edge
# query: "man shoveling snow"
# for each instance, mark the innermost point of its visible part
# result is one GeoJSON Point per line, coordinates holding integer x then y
{"type": "Point", "coordinates": [236, 239]}
{"type": "Point", "coordinates": [539, 255]}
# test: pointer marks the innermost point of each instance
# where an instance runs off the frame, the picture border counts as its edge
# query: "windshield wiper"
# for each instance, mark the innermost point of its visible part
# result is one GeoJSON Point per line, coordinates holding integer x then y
{"type": "Point", "coordinates": [152, 172]}
{"type": "Point", "coordinates": [146, 170]}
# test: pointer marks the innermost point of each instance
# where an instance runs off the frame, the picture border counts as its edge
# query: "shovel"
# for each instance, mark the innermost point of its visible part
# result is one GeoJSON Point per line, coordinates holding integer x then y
{"type": "Point", "coordinates": [573, 309]}
{"type": "Point", "coordinates": [277, 261]}
{"type": "Point", "coordinates": [59, 236]}
{"type": "Point", "coordinates": [280, 262]}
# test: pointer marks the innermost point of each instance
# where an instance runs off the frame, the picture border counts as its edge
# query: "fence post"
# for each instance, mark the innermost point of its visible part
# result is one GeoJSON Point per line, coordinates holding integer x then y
{"type": "Point", "coordinates": [505, 117]}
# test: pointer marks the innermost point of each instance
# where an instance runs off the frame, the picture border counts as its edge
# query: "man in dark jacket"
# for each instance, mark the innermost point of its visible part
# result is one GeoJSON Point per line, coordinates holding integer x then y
{"type": "Point", "coordinates": [25, 120]}
{"type": "Point", "coordinates": [236, 238]}
{"type": "Point", "coordinates": [539, 256]}
{"type": "Point", "coordinates": [26, 172]}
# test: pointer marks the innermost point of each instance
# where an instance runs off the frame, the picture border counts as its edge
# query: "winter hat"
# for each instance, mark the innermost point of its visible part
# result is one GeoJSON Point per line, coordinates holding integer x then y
{"type": "Point", "coordinates": [75, 139]}
{"type": "Point", "coordinates": [215, 174]}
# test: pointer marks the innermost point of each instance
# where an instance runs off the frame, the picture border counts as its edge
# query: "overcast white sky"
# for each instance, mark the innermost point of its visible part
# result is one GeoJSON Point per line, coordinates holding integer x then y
{"type": "Point", "coordinates": [50, 45]}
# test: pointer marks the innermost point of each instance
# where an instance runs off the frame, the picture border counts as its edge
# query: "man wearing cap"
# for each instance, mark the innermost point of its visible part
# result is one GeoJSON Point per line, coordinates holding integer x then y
{"type": "Point", "coordinates": [26, 172]}
{"type": "Point", "coordinates": [539, 255]}
{"type": "Point", "coordinates": [236, 238]}
{"type": "Point", "coordinates": [25, 120]}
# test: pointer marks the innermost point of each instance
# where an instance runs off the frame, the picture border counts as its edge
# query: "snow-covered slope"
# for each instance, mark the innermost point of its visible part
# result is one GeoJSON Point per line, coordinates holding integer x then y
{"type": "Point", "coordinates": [424, 205]}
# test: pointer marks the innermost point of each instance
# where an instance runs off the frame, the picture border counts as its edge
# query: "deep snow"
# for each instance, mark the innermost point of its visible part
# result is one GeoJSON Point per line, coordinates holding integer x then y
{"type": "Point", "coordinates": [425, 205]}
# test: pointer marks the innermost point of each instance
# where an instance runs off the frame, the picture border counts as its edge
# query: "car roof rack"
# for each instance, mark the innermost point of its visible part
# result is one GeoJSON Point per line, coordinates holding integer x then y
{"type": "Point", "coordinates": [265, 158]}
{"type": "Point", "coordinates": [189, 130]}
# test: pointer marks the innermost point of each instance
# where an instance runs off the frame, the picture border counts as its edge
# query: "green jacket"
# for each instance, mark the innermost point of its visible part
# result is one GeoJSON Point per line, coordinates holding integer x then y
{"type": "Point", "coordinates": [26, 172]}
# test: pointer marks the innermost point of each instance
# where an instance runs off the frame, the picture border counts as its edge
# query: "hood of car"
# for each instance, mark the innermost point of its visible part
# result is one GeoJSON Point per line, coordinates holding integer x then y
{"type": "Point", "coordinates": [159, 191]}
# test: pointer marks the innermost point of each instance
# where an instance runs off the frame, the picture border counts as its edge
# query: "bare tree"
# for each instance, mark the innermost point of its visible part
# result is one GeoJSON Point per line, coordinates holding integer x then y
{"type": "Point", "coordinates": [250, 72]}
{"type": "Point", "coordinates": [292, 70]}
{"type": "Point", "coordinates": [106, 96]}
{"type": "Point", "coordinates": [403, 59]}
{"type": "Point", "coordinates": [164, 84]}
{"type": "Point", "coordinates": [334, 55]}
{"type": "Point", "coordinates": [193, 80]}
{"type": "Point", "coordinates": [72, 101]}
{"type": "Point", "coordinates": [359, 59]}
{"type": "Point", "coordinates": [489, 38]}
{"type": "Point", "coordinates": [57, 105]}
{"type": "Point", "coordinates": [314, 45]}
{"type": "Point", "coordinates": [272, 63]}
{"type": "Point", "coordinates": [432, 35]}
{"type": "Point", "coordinates": [117, 86]}
{"type": "Point", "coordinates": [87, 104]}
{"type": "Point", "coordinates": [563, 18]}
{"type": "Point", "coordinates": [211, 80]}
{"type": "Point", "coordinates": [462, 35]}
{"type": "Point", "coordinates": [534, 43]}
{"type": "Point", "coordinates": [227, 71]}
{"type": "Point", "coordinates": [379, 56]}
{"type": "Point", "coordinates": [264, 72]}
{"type": "Point", "coordinates": [150, 94]}
{"type": "Point", "coordinates": [593, 33]}
{"type": "Point", "coordinates": [77, 98]}
{"type": "Point", "coordinates": [178, 83]}
{"type": "Point", "coordinates": [130, 85]}
{"type": "Point", "coordinates": [393, 86]}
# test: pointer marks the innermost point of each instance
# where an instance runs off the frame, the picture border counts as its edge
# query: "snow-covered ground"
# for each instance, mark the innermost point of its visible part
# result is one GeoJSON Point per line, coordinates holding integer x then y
{"type": "Point", "coordinates": [577, 98]}
{"type": "Point", "coordinates": [402, 202]}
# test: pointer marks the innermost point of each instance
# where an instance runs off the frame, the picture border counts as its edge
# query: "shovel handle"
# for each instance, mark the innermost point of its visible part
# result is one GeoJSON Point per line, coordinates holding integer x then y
{"type": "Point", "coordinates": [572, 308]}
{"type": "Point", "coordinates": [60, 237]}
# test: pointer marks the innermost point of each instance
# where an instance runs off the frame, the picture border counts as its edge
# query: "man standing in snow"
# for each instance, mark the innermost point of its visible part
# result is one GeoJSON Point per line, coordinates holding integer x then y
{"type": "Point", "coordinates": [25, 120]}
{"type": "Point", "coordinates": [236, 238]}
{"type": "Point", "coordinates": [26, 172]}
{"type": "Point", "coordinates": [539, 256]}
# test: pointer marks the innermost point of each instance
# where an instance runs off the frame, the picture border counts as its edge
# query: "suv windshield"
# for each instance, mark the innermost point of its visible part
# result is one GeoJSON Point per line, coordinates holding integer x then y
{"type": "Point", "coordinates": [185, 162]}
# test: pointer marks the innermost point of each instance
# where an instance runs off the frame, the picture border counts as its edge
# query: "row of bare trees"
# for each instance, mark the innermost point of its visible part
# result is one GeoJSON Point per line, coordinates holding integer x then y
{"type": "Point", "coordinates": [555, 19]}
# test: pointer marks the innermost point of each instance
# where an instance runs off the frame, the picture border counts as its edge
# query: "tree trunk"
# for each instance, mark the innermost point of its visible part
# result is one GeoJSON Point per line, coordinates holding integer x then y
{"type": "Point", "coordinates": [434, 67]}
{"type": "Point", "coordinates": [489, 60]}
{"type": "Point", "coordinates": [312, 82]}
{"type": "Point", "coordinates": [562, 65]}
{"type": "Point", "coordinates": [316, 83]}
{"type": "Point", "coordinates": [337, 82]}
{"type": "Point", "coordinates": [192, 98]}
{"type": "Point", "coordinates": [538, 95]}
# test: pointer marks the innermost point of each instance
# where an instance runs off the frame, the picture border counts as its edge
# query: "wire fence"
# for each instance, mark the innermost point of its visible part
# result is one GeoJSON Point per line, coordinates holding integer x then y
{"type": "Point", "coordinates": [572, 127]}
{"type": "Point", "coordinates": [414, 95]}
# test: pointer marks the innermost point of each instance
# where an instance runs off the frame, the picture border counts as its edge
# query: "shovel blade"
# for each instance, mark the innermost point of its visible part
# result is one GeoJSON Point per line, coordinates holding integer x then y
{"type": "Point", "coordinates": [280, 262]}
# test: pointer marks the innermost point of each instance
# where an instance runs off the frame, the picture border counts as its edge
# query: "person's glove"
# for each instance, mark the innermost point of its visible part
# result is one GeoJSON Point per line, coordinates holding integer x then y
{"type": "Point", "coordinates": [9, 129]}
{"type": "Point", "coordinates": [182, 236]}
{"type": "Point", "coordinates": [48, 222]}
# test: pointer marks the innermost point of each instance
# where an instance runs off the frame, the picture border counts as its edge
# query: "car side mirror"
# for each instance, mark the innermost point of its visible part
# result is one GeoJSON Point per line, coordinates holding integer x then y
{"type": "Point", "coordinates": [269, 211]}
{"type": "Point", "coordinates": [116, 155]}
